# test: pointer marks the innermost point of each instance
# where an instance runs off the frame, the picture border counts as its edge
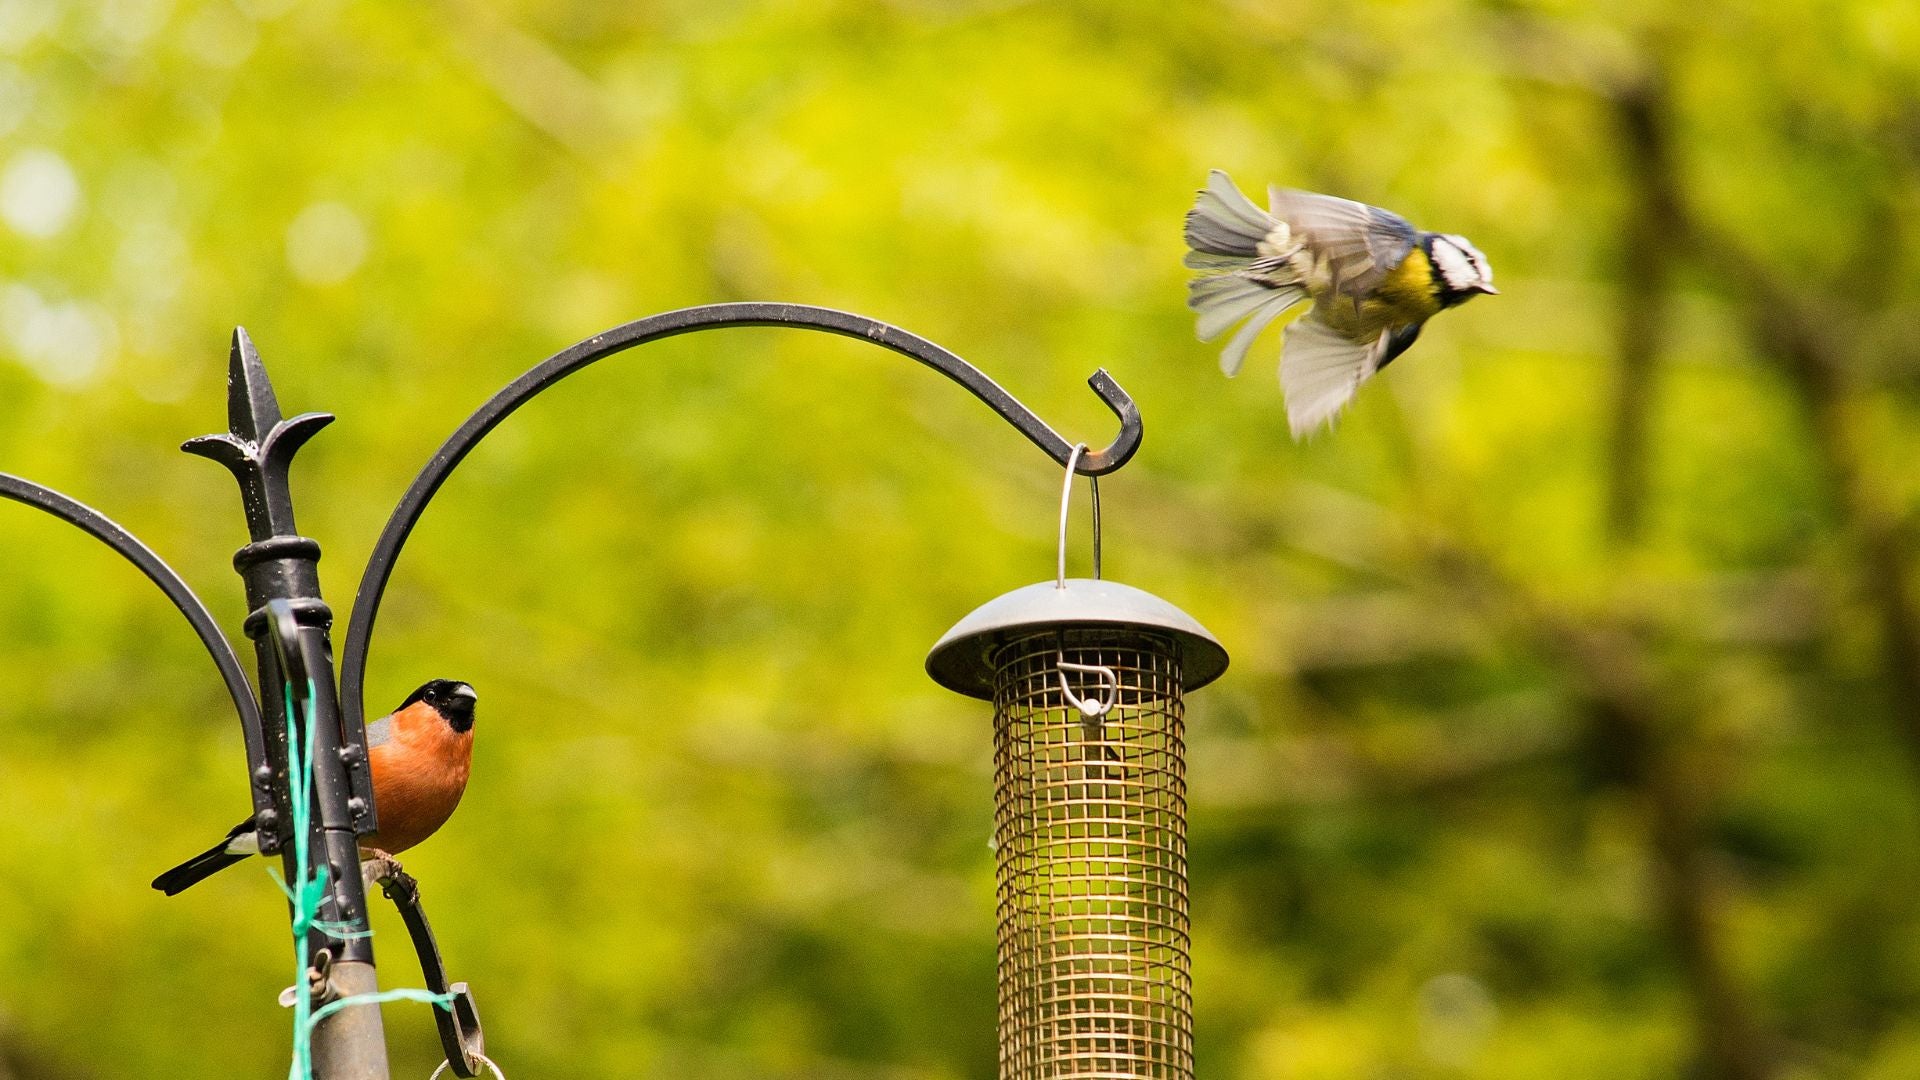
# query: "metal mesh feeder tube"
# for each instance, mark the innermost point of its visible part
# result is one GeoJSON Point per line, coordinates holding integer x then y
{"type": "Point", "coordinates": [1088, 681]}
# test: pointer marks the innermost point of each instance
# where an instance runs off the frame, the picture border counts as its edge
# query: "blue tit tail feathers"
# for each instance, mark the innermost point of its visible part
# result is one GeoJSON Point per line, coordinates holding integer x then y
{"type": "Point", "coordinates": [1225, 230]}
{"type": "Point", "coordinates": [1246, 261]}
{"type": "Point", "coordinates": [236, 846]}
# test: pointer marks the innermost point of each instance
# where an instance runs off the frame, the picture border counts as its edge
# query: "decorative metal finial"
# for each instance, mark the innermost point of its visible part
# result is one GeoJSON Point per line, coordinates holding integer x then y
{"type": "Point", "coordinates": [259, 445]}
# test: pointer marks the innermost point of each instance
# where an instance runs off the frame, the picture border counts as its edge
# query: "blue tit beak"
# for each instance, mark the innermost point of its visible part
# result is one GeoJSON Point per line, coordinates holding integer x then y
{"type": "Point", "coordinates": [1488, 289]}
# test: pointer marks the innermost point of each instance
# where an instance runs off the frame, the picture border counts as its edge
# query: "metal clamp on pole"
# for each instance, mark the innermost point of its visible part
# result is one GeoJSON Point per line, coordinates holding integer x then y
{"type": "Point", "coordinates": [283, 636]}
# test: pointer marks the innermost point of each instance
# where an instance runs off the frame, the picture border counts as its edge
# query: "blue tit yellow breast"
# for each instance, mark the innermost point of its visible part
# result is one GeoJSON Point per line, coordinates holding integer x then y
{"type": "Point", "coordinates": [1405, 296]}
{"type": "Point", "coordinates": [1408, 294]}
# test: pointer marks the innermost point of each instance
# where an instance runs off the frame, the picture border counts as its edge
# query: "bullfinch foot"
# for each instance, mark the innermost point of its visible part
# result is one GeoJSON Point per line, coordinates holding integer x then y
{"type": "Point", "coordinates": [377, 866]}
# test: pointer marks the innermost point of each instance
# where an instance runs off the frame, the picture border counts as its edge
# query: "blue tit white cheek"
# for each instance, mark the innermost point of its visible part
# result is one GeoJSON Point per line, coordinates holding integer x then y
{"type": "Point", "coordinates": [1456, 268]}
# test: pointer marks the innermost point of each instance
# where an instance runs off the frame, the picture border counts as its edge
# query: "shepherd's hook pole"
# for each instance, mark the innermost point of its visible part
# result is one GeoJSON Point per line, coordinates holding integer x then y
{"type": "Point", "coordinates": [280, 564]}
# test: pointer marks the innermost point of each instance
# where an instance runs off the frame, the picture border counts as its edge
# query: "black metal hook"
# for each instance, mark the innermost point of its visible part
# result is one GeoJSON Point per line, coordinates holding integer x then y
{"type": "Point", "coordinates": [373, 581]}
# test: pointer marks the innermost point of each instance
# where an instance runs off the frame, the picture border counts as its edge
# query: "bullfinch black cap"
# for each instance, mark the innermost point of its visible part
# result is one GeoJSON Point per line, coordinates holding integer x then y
{"type": "Point", "coordinates": [451, 698]}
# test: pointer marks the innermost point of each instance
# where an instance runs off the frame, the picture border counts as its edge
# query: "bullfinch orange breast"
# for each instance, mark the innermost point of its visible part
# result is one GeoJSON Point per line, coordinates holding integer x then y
{"type": "Point", "coordinates": [421, 754]}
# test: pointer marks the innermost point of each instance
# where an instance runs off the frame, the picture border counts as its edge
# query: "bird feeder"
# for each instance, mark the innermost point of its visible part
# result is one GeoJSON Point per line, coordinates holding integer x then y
{"type": "Point", "coordinates": [1088, 681]}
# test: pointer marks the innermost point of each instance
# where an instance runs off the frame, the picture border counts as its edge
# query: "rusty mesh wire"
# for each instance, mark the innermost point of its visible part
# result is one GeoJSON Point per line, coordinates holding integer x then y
{"type": "Point", "coordinates": [1091, 841]}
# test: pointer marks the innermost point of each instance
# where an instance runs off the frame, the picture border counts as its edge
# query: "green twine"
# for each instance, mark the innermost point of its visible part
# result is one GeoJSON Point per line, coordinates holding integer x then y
{"type": "Point", "coordinates": [444, 1001]}
{"type": "Point", "coordinates": [306, 891]}
{"type": "Point", "coordinates": [305, 895]}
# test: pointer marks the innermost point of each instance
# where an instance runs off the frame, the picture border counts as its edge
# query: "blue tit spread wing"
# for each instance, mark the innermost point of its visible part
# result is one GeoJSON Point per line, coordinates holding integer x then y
{"type": "Point", "coordinates": [1361, 244]}
{"type": "Point", "coordinates": [1320, 369]}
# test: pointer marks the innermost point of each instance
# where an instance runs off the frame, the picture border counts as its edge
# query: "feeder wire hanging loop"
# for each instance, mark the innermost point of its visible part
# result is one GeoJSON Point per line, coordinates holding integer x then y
{"type": "Point", "coordinates": [1090, 707]}
{"type": "Point", "coordinates": [1066, 498]}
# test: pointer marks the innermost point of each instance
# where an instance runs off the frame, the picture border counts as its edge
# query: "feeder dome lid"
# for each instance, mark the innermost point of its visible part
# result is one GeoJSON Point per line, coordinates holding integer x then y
{"type": "Point", "coordinates": [962, 661]}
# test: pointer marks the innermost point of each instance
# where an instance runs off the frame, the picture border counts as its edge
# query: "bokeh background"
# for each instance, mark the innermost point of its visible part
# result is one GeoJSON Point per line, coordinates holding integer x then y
{"type": "Point", "coordinates": [1574, 723]}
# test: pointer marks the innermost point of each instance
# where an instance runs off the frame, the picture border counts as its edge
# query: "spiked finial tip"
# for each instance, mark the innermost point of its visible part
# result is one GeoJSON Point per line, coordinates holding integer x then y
{"type": "Point", "coordinates": [252, 410]}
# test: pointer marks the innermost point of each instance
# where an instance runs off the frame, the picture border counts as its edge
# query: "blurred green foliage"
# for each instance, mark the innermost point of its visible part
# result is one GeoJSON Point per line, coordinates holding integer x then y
{"type": "Point", "coordinates": [1571, 731]}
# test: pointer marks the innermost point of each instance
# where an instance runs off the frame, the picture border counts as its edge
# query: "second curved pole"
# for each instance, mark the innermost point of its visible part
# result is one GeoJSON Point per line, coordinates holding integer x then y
{"type": "Point", "coordinates": [101, 528]}
{"type": "Point", "coordinates": [373, 582]}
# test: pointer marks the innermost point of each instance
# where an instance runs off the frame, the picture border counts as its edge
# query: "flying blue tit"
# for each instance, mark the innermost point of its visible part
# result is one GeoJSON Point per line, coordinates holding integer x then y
{"type": "Point", "coordinates": [1373, 278]}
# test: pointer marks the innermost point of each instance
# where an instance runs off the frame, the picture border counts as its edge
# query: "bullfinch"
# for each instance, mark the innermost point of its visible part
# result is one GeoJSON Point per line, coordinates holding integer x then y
{"type": "Point", "coordinates": [420, 754]}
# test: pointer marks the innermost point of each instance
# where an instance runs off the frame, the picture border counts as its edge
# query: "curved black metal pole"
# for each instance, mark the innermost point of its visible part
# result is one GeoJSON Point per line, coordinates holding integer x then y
{"type": "Point", "coordinates": [373, 582]}
{"type": "Point", "coordinates": [98, 526]}
{"type": "Point", "coordinates": [461, 1035]}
